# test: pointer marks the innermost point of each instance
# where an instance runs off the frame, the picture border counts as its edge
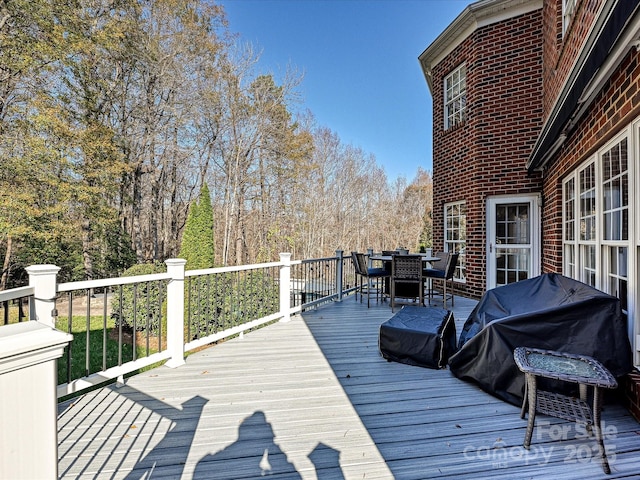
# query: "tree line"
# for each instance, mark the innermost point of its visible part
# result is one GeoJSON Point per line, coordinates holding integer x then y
{"type": "Point", "coordinates": [115, 113]}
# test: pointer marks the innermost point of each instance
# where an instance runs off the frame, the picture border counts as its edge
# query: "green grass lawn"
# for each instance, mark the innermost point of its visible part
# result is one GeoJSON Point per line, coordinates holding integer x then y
{"type": "Point", "coordinates": [101, 345]}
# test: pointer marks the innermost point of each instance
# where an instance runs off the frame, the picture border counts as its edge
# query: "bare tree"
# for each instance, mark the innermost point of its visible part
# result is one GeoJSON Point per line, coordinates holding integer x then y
{"type": "Point", "coordinates": [127, 107]}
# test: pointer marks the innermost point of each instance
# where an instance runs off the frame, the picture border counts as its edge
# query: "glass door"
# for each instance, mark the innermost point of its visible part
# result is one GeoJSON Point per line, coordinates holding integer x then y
{"type": "Point", "coordinates": [513, 239]}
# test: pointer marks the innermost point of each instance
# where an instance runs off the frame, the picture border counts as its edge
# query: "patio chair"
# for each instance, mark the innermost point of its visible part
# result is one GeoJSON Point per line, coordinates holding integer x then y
{"type": "Point", "coordinates": [372, 275]}
{"type": "Point", "coordinates": [406, 273]}
{"type": "Point", "coordinates": [442, 270]}
{"type": "Point", "coordinates": [387, 265]}
{"type": "Point", "coordinates": [356, 272]}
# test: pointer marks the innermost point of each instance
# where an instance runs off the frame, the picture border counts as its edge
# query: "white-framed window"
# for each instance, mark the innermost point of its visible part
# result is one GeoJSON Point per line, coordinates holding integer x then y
{"type": "Point", "coordinates": [615, 192]}
{"type": "Point", "coordinates": [455, 97]}
{"type": "Point", "coordinates": [568, 11]}
{"type": "Point", "coordinates": [614, 163]}
{"type": "Point", "coordinates": [569, 227]}
{"type": "Point", "coordinates": [587, 219]}
{"type": "Point", "coordinates": [596, 224]}
{"type": "Point", "coordinates": [455, 235]}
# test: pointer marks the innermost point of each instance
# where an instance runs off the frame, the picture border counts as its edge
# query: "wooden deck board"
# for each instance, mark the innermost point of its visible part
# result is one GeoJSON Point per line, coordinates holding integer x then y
{"type": "Point", "coordinates": [315, 394]}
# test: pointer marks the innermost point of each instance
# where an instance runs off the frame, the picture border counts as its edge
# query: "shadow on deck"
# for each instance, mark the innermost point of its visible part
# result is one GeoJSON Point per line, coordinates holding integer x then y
{"type": "Point", "coordinates": [312, 398]}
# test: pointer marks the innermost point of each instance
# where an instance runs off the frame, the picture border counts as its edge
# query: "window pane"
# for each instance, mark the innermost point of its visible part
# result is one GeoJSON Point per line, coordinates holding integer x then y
{"type": "Point", "coordinates": [569, 210]}
{"type": "Point", "coordinates": [615, 196]}
{"type": "Point", "coordinates": [587, 203]}
{"type": "Point", "coordinates": [569, 260]}
{"type": "Point", "coordinates": [615, 270]}
{"type": "Point", "coordinates": [512, 265]}
{"type": "Point", "coordinates": [588, 260]}
{"type": "Point", "coordinates": [512, 224]}
{"type": "Point", "coordinates": [455, 235]}
{"type": "Point", "coordinates": [455, 97]}
{"type": "Point", "coordinates": [568, 10]}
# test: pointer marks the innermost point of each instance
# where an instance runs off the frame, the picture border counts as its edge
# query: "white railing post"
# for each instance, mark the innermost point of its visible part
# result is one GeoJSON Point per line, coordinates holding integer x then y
{"type": "Point", "coordinates": [44, 282]}
{"type": "Point", "coordinates": [28, 417]}
{"type": "Point", "coordinates": [175, 311]}
{"type": "Point", "coordinates": [340, 255]}
{"type": "Point", "coordinates": [285, 287]}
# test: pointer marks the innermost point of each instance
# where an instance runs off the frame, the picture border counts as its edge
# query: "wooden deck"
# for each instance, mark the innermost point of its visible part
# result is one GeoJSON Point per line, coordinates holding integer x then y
{"type": "Point", "coordinates": [313, 399]}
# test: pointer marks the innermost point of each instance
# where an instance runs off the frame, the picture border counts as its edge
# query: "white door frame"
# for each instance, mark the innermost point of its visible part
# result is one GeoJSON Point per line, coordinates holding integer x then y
{"type": "Point", "coordinates": [535, 238]}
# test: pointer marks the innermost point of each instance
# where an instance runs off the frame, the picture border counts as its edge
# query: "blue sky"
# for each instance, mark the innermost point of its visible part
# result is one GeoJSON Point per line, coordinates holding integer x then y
{"type": "Point", "coordinates": [362, 78]}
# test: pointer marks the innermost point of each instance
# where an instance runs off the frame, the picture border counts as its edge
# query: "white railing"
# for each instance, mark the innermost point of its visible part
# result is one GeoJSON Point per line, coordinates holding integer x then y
{"type": "Point", "coordinates": [17, 296]}
{"type": "Point", "coordinates": [30, 350]}
{"type": "Point", "coordinates": [225, 297]}
{"type": "Point", "coordinates": [15, 293]}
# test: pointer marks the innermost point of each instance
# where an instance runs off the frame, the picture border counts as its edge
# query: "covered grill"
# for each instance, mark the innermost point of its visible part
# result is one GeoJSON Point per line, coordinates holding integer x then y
{"type": "Point", "coordinates": [551, 312]}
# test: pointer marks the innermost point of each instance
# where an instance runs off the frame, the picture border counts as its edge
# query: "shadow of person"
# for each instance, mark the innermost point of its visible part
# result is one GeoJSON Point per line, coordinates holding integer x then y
{"type": "Point", "coordinates": [326, 461]}
{"type": "Point", "coordinates": [253, 455]}
{"type": "Point", "coordinates": [182, 418]}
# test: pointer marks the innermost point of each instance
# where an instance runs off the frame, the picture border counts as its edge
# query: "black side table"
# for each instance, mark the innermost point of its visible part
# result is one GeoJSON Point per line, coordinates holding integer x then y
{"type": "Point", "coordinates": [580, 369]}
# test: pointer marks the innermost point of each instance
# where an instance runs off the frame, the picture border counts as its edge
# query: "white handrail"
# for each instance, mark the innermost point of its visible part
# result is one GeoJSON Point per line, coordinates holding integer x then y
{"type": "Point", "coordinates": [44, 291]}
{"type": "Point", "coordinates": [15, 293]}
{"type": "Point", "coordinates": [235, 268]}
{"type": "Point", "coordinates": [110, 282]}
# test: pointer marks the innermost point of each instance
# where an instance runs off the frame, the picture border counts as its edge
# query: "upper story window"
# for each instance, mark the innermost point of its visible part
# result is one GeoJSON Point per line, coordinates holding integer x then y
{"type": "Point", "coordinates": [568, 10]}
{"type": "Point", "coordinates": [455, 97]}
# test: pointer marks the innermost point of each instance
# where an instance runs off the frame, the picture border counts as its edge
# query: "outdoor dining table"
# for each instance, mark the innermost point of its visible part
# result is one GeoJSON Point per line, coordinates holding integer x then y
{"type": "Point", "coordinates": [386, 260]}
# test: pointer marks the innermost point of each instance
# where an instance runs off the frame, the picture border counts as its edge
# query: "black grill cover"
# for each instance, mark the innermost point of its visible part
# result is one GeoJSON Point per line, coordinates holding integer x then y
{"type": "Point", "coordinates": [419, 336]}
{"type": "Point", "coordinates": [551, 312]}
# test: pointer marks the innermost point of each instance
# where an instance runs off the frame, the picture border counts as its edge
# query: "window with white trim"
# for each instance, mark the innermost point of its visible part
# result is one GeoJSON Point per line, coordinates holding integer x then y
{"type": "Point", "coordinates": [587, 224]}
{"type": "Point", "coordinates": [568, 10]}
{"type": "Point", "coordinates": [615, 219]}
{"type": "Point", "coordinates": [595, 218]}
{"type": "Point", "coordinates": [569, 227]}
{"type": "Point", "coordinates": [455, 235]}
{"type": "Point", "coordinates": [455, 97]}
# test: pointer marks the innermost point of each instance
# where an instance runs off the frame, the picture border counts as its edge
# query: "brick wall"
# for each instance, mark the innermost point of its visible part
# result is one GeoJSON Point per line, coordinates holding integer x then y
{"type": "Point", "coordinates": [561, 51]}
{"type": "Point", "coordinates": [616, 105]}
{"type": "Point", "coordinates": [515, 71]}
{"type": "Point", "coordinates": [613, 109]}
{"type": "Point", "coordinates": [487, 154]}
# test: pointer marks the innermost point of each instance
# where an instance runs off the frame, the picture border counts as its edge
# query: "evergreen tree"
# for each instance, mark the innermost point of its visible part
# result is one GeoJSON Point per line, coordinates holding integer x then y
{"type": "Point", "coordinates": [197, 246]}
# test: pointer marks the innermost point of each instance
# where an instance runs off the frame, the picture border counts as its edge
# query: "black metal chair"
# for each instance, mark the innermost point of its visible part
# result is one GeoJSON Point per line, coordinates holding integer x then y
{"type": "Point", "coordinates": [357, 273]}
{"type": "Point", "coordinates": [369, 274]}
{"type": "Point", "coordinates": [406, 278]}
{"type": "Point", "coordinates": [444, 270]}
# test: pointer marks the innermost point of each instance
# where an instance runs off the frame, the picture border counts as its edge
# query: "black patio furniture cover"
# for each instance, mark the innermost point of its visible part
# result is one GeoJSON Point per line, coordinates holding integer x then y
{"type": "Point", "coordinates": [420, 336]}
{"type": "Point", "coordinates": [551, 312]}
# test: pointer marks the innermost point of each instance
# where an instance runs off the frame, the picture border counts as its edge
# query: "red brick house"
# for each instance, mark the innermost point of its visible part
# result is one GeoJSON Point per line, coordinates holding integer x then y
{"type": "Point", "coordinates": [484, 73]}
{"type": "Point", "coordinates": [536, 143]}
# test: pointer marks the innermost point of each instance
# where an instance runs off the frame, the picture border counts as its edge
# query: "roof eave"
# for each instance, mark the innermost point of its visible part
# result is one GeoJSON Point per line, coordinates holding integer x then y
{"type": "Point", "coordinates": [474, 16]}
{"type": "Point", "coordinates": [607, 44]}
